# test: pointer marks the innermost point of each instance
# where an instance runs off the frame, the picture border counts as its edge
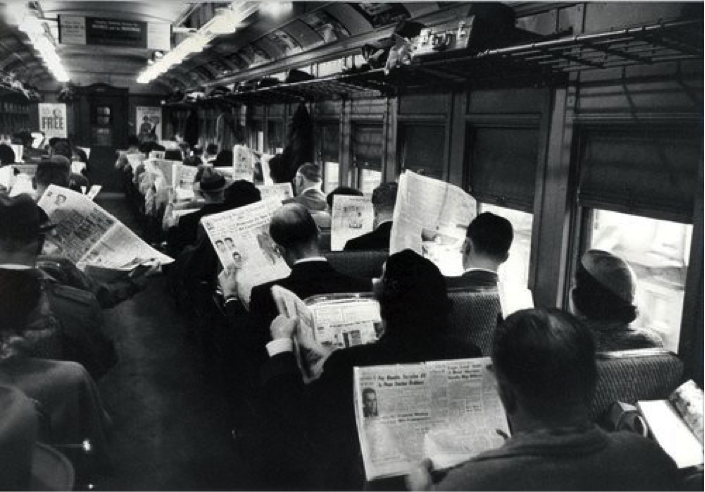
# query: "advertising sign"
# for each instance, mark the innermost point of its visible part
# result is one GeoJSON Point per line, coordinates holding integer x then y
{"type": "Point", "coordinates": [149, 122]}
{"type": "Point", "coordinates": [114, 32]}
{"type": "Point", "coordinates": [52, 120]}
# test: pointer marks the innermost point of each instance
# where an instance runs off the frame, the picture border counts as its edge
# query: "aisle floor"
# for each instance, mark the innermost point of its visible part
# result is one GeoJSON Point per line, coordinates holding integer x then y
{"type": "Point", "coordinates": [172, 423]}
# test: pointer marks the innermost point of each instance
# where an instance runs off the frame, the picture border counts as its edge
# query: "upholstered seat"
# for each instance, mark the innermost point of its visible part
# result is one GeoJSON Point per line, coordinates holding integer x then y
{"type": "Point", "coordinates": [363, 263]}
{"type": "Point", "coordinates": [474, 316]}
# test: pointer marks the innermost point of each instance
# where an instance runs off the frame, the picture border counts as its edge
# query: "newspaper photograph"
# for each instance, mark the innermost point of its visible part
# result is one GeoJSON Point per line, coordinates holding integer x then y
{"type": "Point", "coordinates": [280, 191]}
{"type": "Point", "coordinates": [88, 235]}
{"type": "Point", "coordinates": [447, 411]}
{"type": "Point", "coordinates": [241, 239]}
{"type": "Point", "coordinates": [243, 163]}
{"type": "Point", "coordinates": [351, 217]}
{"type": "Point", "coordinates": [431, 218]}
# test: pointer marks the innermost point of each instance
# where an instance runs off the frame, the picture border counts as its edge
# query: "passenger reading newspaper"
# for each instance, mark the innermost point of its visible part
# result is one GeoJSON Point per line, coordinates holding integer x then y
{"type": "Point", "coordinates": [446, 411]}
{"type": "Point", "coordinates": [241, 238]}
{"type": "Point", "coordinates": [351, 217]}
{"type": "Point", "coordinates": [280, 191]}
{"type": "Point", "coordinates": [327, 323]}
{"type": "Point", "coordinates": [431, 218]}
{"type": "Point", "coordinates": [90, 237]}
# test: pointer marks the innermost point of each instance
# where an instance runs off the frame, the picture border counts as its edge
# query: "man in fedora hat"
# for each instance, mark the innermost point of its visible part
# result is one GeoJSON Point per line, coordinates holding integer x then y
{"type": "Point", "coordinates": [211, 185]}
{"type": "Point", "coordinates": [22, 228]}
{"type": "Point", "coordinates": [26, 463]}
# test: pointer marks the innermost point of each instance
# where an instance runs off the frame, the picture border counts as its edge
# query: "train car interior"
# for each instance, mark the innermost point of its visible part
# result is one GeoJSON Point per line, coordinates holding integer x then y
{"type": "Point", "coordinates": [155, 358]}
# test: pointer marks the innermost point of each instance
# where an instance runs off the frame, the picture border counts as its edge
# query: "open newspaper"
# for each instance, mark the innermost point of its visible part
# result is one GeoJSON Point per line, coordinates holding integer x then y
{"type": "Point", "coordinates": [431, 218]}
{"type": "Point", "coordinates": [77, 167]}
{"type": "Point", "coordinates": [241, 238]}
{"type": "Point", "coordinates": [134, 160]}
{"type": "Point", "coordinates": [677, 424]}
{"type": "Point", "coordinates": [7, 177]}
{"type": "Point", "coordinates": [91, 237]}
{"type": "Point", "coordinates": [280, 191]}
{"type": "Point", "coordinates": [447, 411]}
{"type": "Point", "coordinates": [182, 181]}
{"type": "Point", "coordinates": [93, 191]}
{"type": "Point", "coordinates": [328, 322]}
{"type": "Point", "coordinates": [244, 160]}
{"type": "Point", "coordinates": [351, 217]}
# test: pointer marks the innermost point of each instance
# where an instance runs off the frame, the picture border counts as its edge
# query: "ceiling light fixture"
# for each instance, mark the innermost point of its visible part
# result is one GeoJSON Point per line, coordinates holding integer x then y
{"type": "Point", "coordinates": [226, 21]}
{"type": "Point", "coordinates": [41, 39]}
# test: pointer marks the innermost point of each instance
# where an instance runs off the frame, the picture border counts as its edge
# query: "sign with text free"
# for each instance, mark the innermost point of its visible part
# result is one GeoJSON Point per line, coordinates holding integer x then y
{"type": "Point", "coordinates": [114, 32]}
{"type": "Point", "coordinates": [52, 120]}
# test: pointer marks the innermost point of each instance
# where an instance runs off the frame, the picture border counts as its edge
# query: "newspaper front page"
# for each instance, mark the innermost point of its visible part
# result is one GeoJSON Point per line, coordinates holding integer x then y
{"type": "Point", "coordinates": [351, 217]}
{"type": "Point", "coordinates": [431, 217]}
{"type": "Point", "coordinates": [280, 191]}
{"type": "Point", "coordinates": [89, 236]}
{"type": "Point", "coordinates": [447, 411]}
{"type": "Point", "coordinates": [182, 182]}
{"type": "Point", "coordinates": [244, 160]}
{"type": "Point", "coordinates": [241, 238]}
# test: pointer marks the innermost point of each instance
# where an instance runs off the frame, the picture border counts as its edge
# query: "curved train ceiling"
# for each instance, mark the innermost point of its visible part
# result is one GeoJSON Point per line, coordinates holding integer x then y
{"type": "Point", "coordinates": [261, 39]}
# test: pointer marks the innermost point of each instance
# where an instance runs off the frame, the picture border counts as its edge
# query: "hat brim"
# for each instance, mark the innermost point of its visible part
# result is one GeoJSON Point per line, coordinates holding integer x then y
{"type": "Point", "coordinates": [51, 470]}
{"type": "Point", "coordinates": [197, 187]}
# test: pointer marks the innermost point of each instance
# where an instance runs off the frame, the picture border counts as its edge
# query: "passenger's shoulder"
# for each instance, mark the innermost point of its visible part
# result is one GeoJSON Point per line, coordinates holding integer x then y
{"type": "Point", "coordinates": [73, 295]}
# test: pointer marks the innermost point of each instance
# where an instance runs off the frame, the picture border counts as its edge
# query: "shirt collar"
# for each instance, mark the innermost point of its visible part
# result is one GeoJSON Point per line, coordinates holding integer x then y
{"type": "Point", "coordinates": [471, 269]}
{"type": "Point", "coordinates": [310, 259]}
{"type": "Point", "coordinates": [384, 222]}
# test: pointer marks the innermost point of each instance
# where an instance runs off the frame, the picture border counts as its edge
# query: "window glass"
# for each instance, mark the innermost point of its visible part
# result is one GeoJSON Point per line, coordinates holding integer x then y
{"type": "Point", "coordinates": [516, 268]}
{"type": "Point", "coordinates": [658, 252]}
{"type": "Point", "coordinates": [330, 176]}
{"type": "Point", "coordinates": [369, 180]}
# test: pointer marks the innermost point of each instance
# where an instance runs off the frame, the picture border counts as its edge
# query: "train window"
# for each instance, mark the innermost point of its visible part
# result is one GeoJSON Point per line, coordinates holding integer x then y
{"type": "Point", "coordinates": [503, 165]}
{"type": "Point", "coordinates": [367, 151]}
{"type": "Point", "coordinates": [658, 251]}
{"type": "Point", "coordinates": [422, 148]}
{"type": "Point", "coordinates": [257, 135]}
{"type": "Point", "coordinates": [327, 145]}
{"type": "Point", "coordinates": [517, 265]}
{"type": "Point", "coordinates": [275, 136]}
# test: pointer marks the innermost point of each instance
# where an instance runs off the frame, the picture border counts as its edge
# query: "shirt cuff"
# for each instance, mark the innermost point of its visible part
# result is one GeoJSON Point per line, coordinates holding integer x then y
{"type": "Point", "coordinates": [279, 346]}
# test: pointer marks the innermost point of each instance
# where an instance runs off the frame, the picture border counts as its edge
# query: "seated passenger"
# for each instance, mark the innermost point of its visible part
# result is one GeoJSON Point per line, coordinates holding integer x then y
{"type": "Point", "coordinates": [293, 230]}
{"type": "Point", "coordinates": [75, 311]}
{"type": "Point", "coordinates": [224, 159]}
{"type": "Point", "coordinates": [307, 191]}
{"type": "Point", "coordinates": [65, 392]}
{"type": "Point", "coordinates": [384, 197]}
{"type": "Point", "coordinates": [7, 155]}
{"type": "Point", "coordinates": [133, 148]}
{"type": "Point", "coordinates": [210, 154]}
{"type": "Point", "coordinates": [486, 247]}
{"type": "Point", "coordinates": [62, 147]}
{"type": "Point", "coordinates": [211, 186]}
{"type": "Point", "coordinates": [545, 365]}
{"type": "Point", "coordinates": [414, 306]}
{"type": "Point", "coordinates": [603, 297]}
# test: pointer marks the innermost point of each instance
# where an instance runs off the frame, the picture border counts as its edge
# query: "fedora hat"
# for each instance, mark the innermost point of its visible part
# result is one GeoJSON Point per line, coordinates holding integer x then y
{"type": "Point", "coordinates": [27, 464]}
{"type": "Point", "coordinates": [21, 218]}
{"type": "Point", "coordinates": [211, 181]}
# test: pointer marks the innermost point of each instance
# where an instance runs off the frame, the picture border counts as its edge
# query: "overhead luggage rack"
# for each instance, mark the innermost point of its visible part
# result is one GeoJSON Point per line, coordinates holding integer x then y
{"type": "Point", "coordinates": [542, 62]}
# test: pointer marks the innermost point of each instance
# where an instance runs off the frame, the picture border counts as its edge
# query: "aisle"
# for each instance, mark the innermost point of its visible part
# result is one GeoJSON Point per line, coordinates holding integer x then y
{"type": "Point", "coordinates": [171, 426]}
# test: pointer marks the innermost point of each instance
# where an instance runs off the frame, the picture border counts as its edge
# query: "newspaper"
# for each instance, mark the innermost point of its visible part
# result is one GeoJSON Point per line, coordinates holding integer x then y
{"type": "Point", "coordinates": [281, 191]}
{"type": "Point", "coordinates": [447, 411]}
{"type": "Point", "coordinates": [327, 323]}
{"type": "Point", "coordinates": [182, 181]}
{"type": "Point", "coordinates": [22, 184]}
{"type": "Point", "coordinates": [26, 169]}
{"type": "Point", "coordinates": [157, 154]}
{"type": "Point", "coordinates": [134, 160]}
{"type": "Point", "coordinates": [431, 218]}
{"type": "Point", "coordinates": [513, 297]}
{"type": "Point", "coordinates": [89, 236]}
{"type": "Point", "coordinates": [352, 216]}
{"type": "Point", "coordinates": [77, 167]}
{"type": "Point", "coordinates": [19, 152]}
{"type": "Point", "coordinates": [244, 160]}
{"type": "Point", "coordinates": [264, 162]}
{"type": "Point", "coordinates": [241, 238]}
{"type": "Point", "coordinates": [7, 177]}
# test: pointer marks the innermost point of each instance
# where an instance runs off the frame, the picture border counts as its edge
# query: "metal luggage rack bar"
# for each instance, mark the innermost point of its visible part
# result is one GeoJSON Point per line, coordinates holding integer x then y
{"type": "Point", "coordinates": [643, 45]}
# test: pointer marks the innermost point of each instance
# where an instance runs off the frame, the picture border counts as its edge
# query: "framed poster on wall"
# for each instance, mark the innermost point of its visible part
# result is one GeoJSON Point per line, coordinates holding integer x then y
{"type": "Point", "coordinates": [52, 120]}
{"type": "Point", "coordinates": [149, 123]}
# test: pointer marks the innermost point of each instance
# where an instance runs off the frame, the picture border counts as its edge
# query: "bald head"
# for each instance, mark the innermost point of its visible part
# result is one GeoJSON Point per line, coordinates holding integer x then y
{"type": "Point", "coordinates": [294, 229]}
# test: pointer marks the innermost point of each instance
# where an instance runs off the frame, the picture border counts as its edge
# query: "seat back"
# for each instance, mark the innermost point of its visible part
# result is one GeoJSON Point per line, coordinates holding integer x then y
{"type": "Point", "coordinates": [474, 316]}
{"type": "Point", "coordinates": [363, 263]}
{"type": "Point", "coordinates": [631, 375]}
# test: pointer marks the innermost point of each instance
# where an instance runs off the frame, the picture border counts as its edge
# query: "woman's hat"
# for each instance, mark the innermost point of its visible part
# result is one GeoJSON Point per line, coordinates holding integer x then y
{"type": "Point", "coordinates": [211, 181]}
{"type": "Point", "coordinates": [27, 464]}
{"type": "Point", "coordinates": [611, 272]}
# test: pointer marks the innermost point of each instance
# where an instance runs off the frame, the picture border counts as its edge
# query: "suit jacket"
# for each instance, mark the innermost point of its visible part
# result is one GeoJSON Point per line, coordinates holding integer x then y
{"type": "Point", "coordinates": [306, 279]}
{"type": "Point", "coordinates": [186, 232]}
{"type": "Point", "coordinates": [314, 200]}
{"type": "Point", "coordinates": [473, 279]}
{"type": "Point", "coordinates": [377, 239]}
{"type": "Point", "coordinates": [323, 411]}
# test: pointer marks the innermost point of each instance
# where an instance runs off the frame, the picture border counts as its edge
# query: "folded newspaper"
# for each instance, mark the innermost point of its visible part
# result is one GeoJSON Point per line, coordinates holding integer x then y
{"type": "Point", "coordinates": [447, 411]}
{"type": "Point", "coordinates": [327, 323]}
{"type": "Point", "coordinates": [281, 191]}
{"type": "Point", "coordinates": [431, 217]}
{"type": "Point", "coordinates": [351, 217]}
{"type": "Point", "coordinates": [182, 181]}
{"type": "Point", "coordinates": [241, 239]}
{"type": "Point", "coordinates": [91, 237]}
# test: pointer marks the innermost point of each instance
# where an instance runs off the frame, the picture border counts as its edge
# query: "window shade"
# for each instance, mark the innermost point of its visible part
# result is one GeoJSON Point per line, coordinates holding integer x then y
{"type": "Point", "coordinates": [367, 146]}
{"type": "Point", "coordinates": [423, 147]}
{"type": "Point", "coordinates": [328, 142]}
{"type": "Point", "coordinates": [646, 172]}
{"type": "Point", "coordinates": [503, 166]}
